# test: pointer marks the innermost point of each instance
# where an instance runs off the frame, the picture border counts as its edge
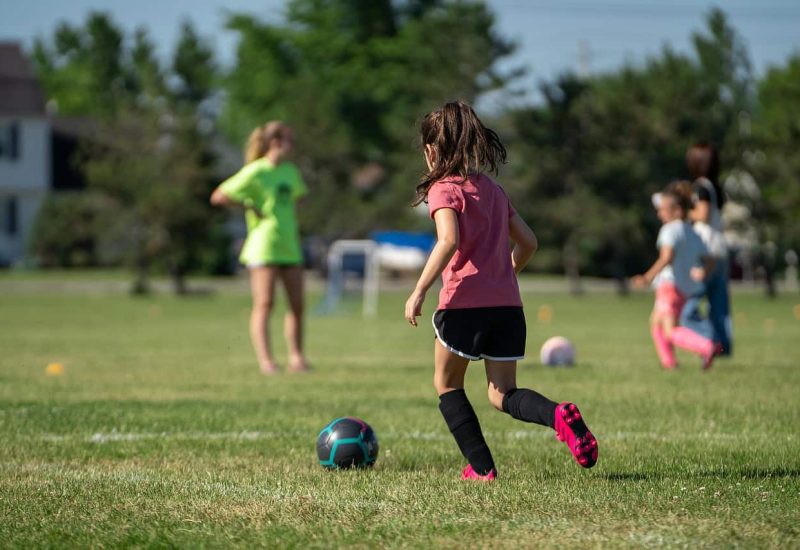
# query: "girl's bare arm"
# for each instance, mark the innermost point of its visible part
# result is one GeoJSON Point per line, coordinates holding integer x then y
{"type": "Point", "coordinates": [665, 255]}
{"type": "Point", "coordinates": [218, 198]}
{"type": "Point", "coordinates": [525, 242]}
{"type": "Point", "coordinates": [446, 245]}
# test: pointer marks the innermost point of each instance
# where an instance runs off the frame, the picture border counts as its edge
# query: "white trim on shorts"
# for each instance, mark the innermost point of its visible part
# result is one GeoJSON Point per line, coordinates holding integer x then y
{"type": "Point", "coordinates": [489, 357]}
{"type": "Point", "coordinates": [447, 346]}
{"type": "Point", "coordinates": [451, 349]}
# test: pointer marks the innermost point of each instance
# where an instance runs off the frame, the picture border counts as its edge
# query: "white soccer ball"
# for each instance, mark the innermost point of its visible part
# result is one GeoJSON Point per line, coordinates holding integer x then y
{"type": "Point", "coordinates": [557, 351]}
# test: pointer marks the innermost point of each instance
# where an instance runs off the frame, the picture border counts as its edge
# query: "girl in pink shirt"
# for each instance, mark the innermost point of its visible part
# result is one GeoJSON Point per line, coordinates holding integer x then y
{"type": "Point", "coordinates": [480, 315]}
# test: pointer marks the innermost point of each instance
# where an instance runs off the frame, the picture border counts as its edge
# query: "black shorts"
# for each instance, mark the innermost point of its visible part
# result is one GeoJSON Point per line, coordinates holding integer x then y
{"type": "Point", "coordinates": [496, 333]}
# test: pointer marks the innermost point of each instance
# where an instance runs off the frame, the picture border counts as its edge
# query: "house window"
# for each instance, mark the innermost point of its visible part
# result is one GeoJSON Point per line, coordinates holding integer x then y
{"type": "Point", "coordinates": [9, 141]}
{"type": "Point", "coordinates": [12, 216]}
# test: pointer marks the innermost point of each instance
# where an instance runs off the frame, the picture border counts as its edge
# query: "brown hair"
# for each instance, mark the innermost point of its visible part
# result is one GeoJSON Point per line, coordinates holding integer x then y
{"type": "Point", "coordinates": [260, 138]}
{"type": "Point", "coordinates": [681, 193]}
{"type": "Point", "coordinates": [702, 160]}
{"type": "Point", "coordinates": [462, 143]}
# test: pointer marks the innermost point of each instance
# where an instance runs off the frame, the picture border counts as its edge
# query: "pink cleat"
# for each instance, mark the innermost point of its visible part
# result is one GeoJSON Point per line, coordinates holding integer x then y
{"type": "Point", "coordinates": [469, 473]}
{"type": "Point", "coordinates": [572, 430]}
{"type": "Point", "coordinates": [708, 359]}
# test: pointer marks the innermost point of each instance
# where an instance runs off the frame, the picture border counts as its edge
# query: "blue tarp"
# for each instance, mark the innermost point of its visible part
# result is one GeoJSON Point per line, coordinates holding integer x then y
{"type": "Point", "coordinates": [423, 241]}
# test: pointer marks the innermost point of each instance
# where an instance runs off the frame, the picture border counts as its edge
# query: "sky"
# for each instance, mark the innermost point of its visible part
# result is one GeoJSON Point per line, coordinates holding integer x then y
{"type": "Point", "coordinates": [552, 35]}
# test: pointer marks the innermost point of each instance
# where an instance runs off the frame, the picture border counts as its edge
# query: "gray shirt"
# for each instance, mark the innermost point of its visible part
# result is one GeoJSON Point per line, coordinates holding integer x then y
{"type": "Point", "coordinates": [688, 252]}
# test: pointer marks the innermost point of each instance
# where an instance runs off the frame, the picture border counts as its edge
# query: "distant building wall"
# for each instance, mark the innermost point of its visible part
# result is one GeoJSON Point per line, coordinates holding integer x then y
{"type": "Point", "coordinates": [25, 151]}
{"type": "Point", "coordinates": [25, 180]}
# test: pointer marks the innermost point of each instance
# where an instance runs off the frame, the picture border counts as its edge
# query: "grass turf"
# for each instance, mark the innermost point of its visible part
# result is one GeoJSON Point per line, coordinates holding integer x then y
{"type": "Point", "coordinates": [161, 432]}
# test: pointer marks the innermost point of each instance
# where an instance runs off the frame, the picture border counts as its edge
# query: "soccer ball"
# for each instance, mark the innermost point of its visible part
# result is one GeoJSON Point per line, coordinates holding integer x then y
{"type": "Point", "coordinates": [557, 351]}
{"type": "Point", "coordinates": [347, 442]}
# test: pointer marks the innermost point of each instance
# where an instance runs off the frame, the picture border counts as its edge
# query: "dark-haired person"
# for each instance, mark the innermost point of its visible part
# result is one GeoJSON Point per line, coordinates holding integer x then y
{"type": "Point", "coordinates": [480, 315]}
{"type": "Point", "coordinates": [702, 161]}
{"type": "Point", "coordinates": [677, 277]}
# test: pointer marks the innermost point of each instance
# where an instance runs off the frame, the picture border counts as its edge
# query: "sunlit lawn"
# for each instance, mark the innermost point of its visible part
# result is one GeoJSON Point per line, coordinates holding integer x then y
{"type": "Point", "coordinates": [161, 431]}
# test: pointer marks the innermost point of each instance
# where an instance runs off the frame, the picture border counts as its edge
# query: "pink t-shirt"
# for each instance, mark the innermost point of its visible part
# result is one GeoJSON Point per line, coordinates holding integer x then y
{"type": "Point", "coordinates": [480, 273]}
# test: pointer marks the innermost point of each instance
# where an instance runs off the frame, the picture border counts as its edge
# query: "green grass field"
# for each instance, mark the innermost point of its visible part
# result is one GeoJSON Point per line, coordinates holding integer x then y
{"type": "Point", "coordinates": [161, 432]}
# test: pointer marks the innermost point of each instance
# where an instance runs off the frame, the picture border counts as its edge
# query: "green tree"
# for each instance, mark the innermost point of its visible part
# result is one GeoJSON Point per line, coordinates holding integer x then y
{"type": "Point", "coordinates": [70, 229]}
{"type": "Point", "coordinates": [83, 68]}
{"type": "Point", "coordinates": [726, 86]}
{"type": "Point", "coordinates": [160, 189]}
{"type": "Point", "coordinates": [599, 147]}
{"type": "Point", "coordinates": [151, 153]}
{"type": "Point", "coordinates": [350, 76]}
{"type": "Point", "coordinates": [777, 165]}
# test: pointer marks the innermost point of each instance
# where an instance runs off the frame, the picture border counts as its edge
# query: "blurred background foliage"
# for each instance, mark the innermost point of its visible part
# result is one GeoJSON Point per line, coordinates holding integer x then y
{"type": "Point", "coordinates": [354, 78]}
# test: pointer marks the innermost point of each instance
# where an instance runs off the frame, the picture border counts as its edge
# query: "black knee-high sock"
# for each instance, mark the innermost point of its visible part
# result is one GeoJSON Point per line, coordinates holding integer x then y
{"type": "Point", "coordinates": [529, 406]}
{"type": "Point", "coordinates": [464, 425]}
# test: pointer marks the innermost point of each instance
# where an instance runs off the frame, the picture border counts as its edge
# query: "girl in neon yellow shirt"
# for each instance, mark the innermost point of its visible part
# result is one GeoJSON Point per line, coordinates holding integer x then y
{"type": "Point", "coordinates": [268, 187]}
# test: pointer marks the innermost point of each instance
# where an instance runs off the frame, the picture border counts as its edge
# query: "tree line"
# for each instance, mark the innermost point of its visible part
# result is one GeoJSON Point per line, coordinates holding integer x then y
{"type": "Point", "coordinates": [353, 78]}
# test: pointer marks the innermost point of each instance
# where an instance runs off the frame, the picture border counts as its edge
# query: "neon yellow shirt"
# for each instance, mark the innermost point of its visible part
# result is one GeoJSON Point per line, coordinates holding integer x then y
{"type": "Point", "coordinates": [273, 191]}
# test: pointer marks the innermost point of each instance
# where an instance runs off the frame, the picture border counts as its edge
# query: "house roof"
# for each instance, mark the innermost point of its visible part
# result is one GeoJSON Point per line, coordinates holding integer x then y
{"type": "Point", "coordinates": [20, 92]}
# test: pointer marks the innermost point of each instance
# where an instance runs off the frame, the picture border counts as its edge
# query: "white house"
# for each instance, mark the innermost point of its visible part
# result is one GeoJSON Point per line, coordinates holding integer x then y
{"type": "Point", "coordinates": [38, 153]}
{"type": "Point", "coordinates": [25, 151]}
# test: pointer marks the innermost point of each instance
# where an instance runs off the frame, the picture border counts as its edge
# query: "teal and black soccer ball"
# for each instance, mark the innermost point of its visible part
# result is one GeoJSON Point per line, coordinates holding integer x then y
{"type": "Point", "coordinates": [347, 442]}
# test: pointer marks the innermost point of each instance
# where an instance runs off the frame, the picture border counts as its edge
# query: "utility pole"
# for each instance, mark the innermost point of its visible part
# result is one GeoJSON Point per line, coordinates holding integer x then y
{"type": "Point", "coordinates": [584, 58]}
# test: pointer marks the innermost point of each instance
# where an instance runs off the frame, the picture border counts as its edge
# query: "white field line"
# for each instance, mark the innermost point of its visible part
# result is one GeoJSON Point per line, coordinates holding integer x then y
{"type": "Point", "coordinates": [116, 436]}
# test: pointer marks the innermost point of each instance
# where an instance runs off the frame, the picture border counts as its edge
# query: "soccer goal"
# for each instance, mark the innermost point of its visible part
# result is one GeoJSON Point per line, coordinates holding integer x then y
{"type": "Point", "coordinates": [337, 272]}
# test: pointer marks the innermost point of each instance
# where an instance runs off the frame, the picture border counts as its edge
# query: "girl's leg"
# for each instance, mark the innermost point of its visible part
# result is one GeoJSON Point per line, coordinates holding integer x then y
{"type": "Point", "coordinates": [262, 286]}
{"type": "Point", "coordinates": [501, 378]}
{"type": "Point", "coordinates": [666, 354]}
{"type": "Point", "coordinates": [530, 406]}
{"type": "Point", "coordinates": [688, 336]}
{"type": "Point", "coordinates": [293, 322]}
{"type": "Point", "coordinates": [687, 339]}
{"type": "Point", "coordinates": [692, 318]}
{"type": "Point", "coordinates": [522, 404]}
{"type": "Point", "coordinates": [448, 379]}
{"type": "Point", "coordinates": [667, 307]}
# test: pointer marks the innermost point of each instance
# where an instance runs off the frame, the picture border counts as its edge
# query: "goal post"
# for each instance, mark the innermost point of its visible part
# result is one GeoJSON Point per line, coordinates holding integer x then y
{"type": "Point", "coordinates": [336, 273]}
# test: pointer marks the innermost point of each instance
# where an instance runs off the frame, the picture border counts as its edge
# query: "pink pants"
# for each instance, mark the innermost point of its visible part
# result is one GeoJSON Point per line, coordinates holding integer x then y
{"type": "Point", "coordinates": [670, 301]}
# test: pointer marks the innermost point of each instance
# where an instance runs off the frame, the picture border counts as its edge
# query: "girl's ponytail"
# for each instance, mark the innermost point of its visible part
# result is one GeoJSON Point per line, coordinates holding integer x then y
{"type": "Point", "coordinates": [462, 144]}
{"type": "Point", "coordinates": [256, 145]}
